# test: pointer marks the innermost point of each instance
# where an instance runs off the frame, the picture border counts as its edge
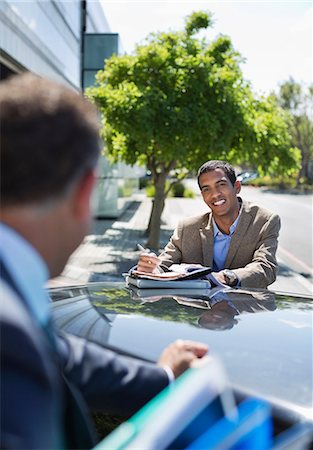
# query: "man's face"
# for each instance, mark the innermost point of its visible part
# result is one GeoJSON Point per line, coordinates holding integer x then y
{"type": "Point", "coordinates": [219, 194]}
{"type": "Point", "coordinates": [73, 217]}
{"type": "Point", "coordinates": [220, 317]}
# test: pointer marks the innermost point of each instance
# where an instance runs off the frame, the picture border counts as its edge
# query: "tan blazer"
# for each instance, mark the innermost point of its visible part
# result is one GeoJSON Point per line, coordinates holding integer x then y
{"type": "Point", "coordinates": [251, 252]}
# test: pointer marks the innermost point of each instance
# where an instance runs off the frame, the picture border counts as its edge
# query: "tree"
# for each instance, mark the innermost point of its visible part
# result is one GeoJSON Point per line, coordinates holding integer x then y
{"type": "Point", "coordinates": [299, 103]}
{"type": "Point", "coordinates": [179, 101]}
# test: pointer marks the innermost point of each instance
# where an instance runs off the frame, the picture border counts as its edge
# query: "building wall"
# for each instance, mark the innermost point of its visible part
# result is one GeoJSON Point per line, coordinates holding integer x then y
{"type": "Point", "coordinates": [43, 37]}
{"type": "Point", "coordinates": [96, 21]}
{"type": "Point", "coordinates": [46, 37]}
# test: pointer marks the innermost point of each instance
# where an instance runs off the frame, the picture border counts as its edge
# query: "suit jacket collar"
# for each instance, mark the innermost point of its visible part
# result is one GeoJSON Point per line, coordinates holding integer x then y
{"type": "Point", "coordinates": [207, 235]}
{"type": "Point", "coordinates": [207, 240]}
{"type": "Point", "coordinates": [239, 234]}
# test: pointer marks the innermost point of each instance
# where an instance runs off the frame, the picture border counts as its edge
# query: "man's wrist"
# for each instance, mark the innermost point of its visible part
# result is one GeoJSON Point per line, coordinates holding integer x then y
{"type": "Point", "coordinates": [231, 278]}
{"type": "Point", "coordinates": [169, 373]}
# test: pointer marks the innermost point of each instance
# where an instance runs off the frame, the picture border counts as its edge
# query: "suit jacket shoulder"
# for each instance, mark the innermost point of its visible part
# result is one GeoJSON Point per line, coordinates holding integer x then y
{"type": "Point", "coordinates": [199, 221]}
{"type": "Point", "coordinates": [257, 211]}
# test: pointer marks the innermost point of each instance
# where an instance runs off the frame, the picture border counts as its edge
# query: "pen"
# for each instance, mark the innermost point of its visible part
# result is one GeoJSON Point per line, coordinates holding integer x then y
{"type": "Point", "coordinates": [142, 249]}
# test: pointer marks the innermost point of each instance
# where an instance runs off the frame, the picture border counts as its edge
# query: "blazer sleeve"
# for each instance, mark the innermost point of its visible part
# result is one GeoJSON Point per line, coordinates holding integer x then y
{"type": "Point", "coordinates": [107, 381]}
{"type": "Point", "coordinates": [262, 269]}
{"type": "Point", "coordinates": [172, 253]}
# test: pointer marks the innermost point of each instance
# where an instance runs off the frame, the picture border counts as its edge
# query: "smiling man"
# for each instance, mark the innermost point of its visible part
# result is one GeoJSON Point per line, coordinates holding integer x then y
{"type": "Point", "coordinates": [236, 238]}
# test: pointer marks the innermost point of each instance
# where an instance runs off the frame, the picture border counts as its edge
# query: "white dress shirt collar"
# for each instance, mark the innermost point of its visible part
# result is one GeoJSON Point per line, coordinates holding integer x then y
{"type": "Point", "coordinates": [28, 270]}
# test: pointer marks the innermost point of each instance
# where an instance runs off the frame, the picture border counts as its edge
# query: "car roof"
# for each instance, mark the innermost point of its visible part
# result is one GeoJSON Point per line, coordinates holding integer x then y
{"type": "Point", "coordinates": [263, 338]}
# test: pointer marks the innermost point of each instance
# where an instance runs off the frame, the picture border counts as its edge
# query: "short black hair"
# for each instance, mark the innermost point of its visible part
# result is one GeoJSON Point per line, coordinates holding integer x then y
{"type": "Point", "coordinates": [218, 164]}
{"type": "Point", "coordinates": [49, 139]}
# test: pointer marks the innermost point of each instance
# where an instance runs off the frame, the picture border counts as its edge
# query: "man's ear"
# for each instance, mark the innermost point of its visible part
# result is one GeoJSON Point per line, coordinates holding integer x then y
{"type": "Point", "coordinates": [237, 186]}
{"type": "Point", "coordinates": [82, 195]}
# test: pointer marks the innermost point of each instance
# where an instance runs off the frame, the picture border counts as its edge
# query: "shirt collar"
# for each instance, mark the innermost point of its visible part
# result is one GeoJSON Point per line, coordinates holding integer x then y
{"type": "Point", "coordinates": [30, 273]}
{"type": "Point", "coordinates": [217, 231]}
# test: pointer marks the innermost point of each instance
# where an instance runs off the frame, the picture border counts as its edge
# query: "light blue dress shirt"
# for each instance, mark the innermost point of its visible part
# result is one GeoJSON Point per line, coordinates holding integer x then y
{"type": "Point", "coordinates": [28, 270]}
{"type": "Point", "coordinates": [221, 244]}
{"type": "Point", "coordinates": [30, 273]}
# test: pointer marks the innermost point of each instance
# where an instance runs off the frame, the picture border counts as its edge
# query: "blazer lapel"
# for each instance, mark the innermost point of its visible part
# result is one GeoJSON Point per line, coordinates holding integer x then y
{"type": "Point", "coordinates": [206, 235]}
{"type": "Point", "coordinates": [238, 236]}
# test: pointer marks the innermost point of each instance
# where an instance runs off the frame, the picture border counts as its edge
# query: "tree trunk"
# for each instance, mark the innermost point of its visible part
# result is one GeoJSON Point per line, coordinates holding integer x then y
{"type": "Point", "coordinates": [154, 226]}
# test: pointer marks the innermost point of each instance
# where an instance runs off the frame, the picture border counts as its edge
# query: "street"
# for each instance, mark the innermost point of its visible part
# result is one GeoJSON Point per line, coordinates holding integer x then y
{"type": "Point", "coordinates": [295, 211]}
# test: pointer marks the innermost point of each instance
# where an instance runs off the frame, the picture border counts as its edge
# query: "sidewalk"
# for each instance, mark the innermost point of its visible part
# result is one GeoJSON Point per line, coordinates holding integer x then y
{"type": "Point", "coordinates": [111, 248]}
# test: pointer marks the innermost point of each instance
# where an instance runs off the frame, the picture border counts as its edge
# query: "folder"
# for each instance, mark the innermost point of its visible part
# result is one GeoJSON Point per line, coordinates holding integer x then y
{"type": "Point", "coordinates": [179, 414]}
{"type": "Point", "coordinates": [144, 283]}
{"type": "Point", "coordinates": [154, 294]}
{"type": "Point", "coordinates": [251, 429]}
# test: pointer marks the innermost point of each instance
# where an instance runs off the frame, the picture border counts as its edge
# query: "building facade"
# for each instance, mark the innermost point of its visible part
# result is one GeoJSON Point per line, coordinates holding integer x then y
{"type": "Point", "coordinates": [66, 41]}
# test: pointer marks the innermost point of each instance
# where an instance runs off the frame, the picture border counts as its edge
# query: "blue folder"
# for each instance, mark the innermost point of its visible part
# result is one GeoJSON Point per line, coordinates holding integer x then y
{"type": "Point", "coordinates": [251, 429]}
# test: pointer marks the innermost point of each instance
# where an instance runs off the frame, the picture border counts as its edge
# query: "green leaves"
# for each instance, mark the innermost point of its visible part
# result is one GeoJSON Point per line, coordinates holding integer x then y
{"type": "Point", "coordinates": [178, 101]}
{"type": "Point", "coordinates": [297, 101]}
{"type": "Point", "coordinates": [181, 99]}
{"type": "Point", "coordinates": [197, 21]}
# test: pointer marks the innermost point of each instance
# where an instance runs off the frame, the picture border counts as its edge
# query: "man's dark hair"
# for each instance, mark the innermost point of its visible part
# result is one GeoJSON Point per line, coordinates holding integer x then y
{"type": "Point", "coordinates": [49, 139]}
{"type": "Point", "coordinates": [217, 164]}
{"type": "Point", "coordinates": [224, 322]}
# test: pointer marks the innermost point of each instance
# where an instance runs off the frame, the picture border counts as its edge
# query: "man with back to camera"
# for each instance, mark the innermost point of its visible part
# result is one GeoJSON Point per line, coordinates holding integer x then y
{"type": "Point", "coordinates": [236, 238]}
{"type": "Point", "coordinates": [49, 151]}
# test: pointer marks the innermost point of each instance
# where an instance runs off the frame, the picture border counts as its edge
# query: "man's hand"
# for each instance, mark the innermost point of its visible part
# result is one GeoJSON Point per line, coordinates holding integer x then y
{"type": "Point", "coordinates": [148, 262]}
{"type": "Point", "coordinates": [220, 276]}
{"type": "Point", "coordinates": [181, 355]}
{"type": "Point", "coordinates": [227, 276]}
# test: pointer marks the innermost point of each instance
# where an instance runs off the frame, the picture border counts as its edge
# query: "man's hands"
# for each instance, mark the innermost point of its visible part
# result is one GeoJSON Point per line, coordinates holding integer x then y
{"type": "Point", "coordinates": [220, 276]}
{"type": "Point", "coordinates": [181, 355]}
{"type": "Point", "coordinates": [148, 262]}
{"type": "Point", "coordinates": [227, 276]}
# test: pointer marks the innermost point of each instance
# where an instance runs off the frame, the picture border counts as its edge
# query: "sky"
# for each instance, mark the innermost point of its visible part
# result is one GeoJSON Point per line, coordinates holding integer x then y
{"type": "Point", "coordinates": [274, 37]}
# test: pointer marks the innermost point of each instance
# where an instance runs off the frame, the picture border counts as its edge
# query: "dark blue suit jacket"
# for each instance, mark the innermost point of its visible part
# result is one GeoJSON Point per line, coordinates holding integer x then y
{"type": "Point", "coordinates": [46, 387]}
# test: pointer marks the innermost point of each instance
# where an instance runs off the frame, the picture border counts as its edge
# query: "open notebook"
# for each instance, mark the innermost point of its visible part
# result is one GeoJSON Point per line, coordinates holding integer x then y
{"type": "Point", "coordinates": [194, 278]}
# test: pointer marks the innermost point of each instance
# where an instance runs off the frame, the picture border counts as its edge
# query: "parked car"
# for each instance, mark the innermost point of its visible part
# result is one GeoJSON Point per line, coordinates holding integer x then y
{"type": "Point", "coordinates": [263, 338]}
{"type": "Point", "coordinates": [244, 177]}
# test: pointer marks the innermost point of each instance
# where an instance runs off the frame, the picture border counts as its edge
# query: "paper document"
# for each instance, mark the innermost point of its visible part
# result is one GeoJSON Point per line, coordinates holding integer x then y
{"type": "Point", "coordinates": [189, 275]}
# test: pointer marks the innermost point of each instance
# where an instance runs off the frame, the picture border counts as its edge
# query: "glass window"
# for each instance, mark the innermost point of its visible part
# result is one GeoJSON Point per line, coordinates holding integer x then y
{"type": "Point", "coordinates": [71, 13]}
{"type": "Point", "coordinates": [98, 47]}
{"type": "Point", "coordinates": [51, 35]}
{"type": "Point", "coordinates": [89, 78]}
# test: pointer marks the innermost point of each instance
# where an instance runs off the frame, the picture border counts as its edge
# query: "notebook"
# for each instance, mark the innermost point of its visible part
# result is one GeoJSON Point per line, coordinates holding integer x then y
{"type": "Point", "coordinates": [143, 283]}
